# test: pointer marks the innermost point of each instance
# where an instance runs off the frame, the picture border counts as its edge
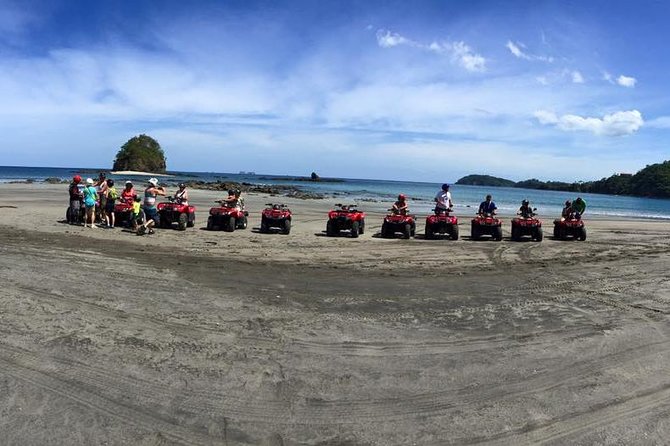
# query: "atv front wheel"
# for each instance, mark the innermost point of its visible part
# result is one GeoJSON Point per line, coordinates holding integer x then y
{"type": "Point", "coordinates": [362, 230]}
{"type": "Point", "coordinates": [182, 222]}
{"type": "Point", "coordinates": [474, 233]}
{"type": "Point", "coordinates": [330, 230]}
{"type": "Point", "coordinates": [428, 232]}
{"type": "Point", "coordinates": [191, 220]}
{"type": "Point", "coordinates": [497, 233]}
{"type": "Point", "coordinates": [287, 227]}
{"type": "Point", "coordinates": [231, 224]}
{"type": "Point", "coordinates": [582, 233]}
{"type": "Point", "coordinates": [385, 230]}
{"type": "Point", "coordinates": [538, 234]}
{"type": "Point", "coordinates": [244, 224]}
{"type": "Point", "coordinates": [354, 229]}
{"type": "Point", "coordinates": [516, 233]}
{"type": "Point", "coordinates": [454, 232]}
{"type": "Point", "coordinates": [407, 233]}
{"type": "Point", "coordinates": [210, 224]}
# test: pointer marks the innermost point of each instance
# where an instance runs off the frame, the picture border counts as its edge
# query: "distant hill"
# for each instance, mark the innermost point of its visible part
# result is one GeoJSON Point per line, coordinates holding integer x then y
{"type": "Point", "coordinates": [653, 181]}
{"type": "Point", "coordinates": [485, 180]}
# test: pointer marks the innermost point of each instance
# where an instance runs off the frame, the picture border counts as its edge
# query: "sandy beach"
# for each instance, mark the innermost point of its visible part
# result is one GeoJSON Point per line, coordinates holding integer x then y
{"type": "Point", "coordinates": [244, 338]}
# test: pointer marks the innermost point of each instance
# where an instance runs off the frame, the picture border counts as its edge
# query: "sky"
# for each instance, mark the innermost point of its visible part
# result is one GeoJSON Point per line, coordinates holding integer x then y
{"type": "Point", "coordinates": [419, 91]}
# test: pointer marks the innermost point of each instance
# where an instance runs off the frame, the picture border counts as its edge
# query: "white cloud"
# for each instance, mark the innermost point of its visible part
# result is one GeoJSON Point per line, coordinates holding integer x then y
{"type": "Point", "coordinates": [616, 124]}
{"type": "Point", "coordinates": [608, 77]}
{"type": "Point", "coordinates": [459, 52]}
{"type": "Point", "coordinates": [577, 77]}
{"type": "Point", "coordinates": [626, 81]}
{"type": "Point", "coordinates": [467, 58]}
{"type": "Point", "coordinates": [514, 49]}
{"type": "Point", "coordinates": [387, 39]}
{"type": "Point", "coordinates": [518, 50]}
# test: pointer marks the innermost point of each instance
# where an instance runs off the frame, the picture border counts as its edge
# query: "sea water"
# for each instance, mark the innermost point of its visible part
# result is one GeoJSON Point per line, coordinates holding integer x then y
{"type": "Point", "coordinates": [466, 198]}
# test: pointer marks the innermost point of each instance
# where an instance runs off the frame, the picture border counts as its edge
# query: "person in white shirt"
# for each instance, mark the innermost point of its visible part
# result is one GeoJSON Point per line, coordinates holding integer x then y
{"type": "Point", "coordinates": [443, 200]}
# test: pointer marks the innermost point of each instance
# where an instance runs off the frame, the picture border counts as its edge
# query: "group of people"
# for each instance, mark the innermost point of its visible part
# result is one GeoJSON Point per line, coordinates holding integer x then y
{"type": "Point", "coordinates": [444, 204]}
{"type": "Point", "coordinates": [96, 200]}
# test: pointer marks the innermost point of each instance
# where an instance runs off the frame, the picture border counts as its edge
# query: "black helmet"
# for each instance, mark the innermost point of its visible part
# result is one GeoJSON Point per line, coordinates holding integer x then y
{"type": "Point", "coordinates": [568, 203]}
{"type": "Point", "coordinates": [524, 202]}
{"type": "Point", "coordinates": [182, 185]}
{"type": "Point", "coordinates": [488, 197]}
{"type": "Point", "coordinates": [237, 192]}
{"type": "Point", "coordinates": [445, 186]}
{"type": "Point", "coordinates": [110, 182]}
{"type": "Point", "coordinates": [231, 192]}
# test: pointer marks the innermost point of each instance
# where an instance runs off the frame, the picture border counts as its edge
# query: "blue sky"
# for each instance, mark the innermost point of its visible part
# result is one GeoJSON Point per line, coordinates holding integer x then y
{"type": "Point", "coordinates": [426, 91]}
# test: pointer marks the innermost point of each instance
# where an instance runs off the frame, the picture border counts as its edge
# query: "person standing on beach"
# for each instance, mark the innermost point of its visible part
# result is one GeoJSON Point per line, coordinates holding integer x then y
{"type": "Point", "coordinates": [90, 200]}
{"type": "Point", "coordinates": [150, 210]}
{"type": "Point", "coordinates": [112, 196]}
{"type": "Point", "coordinates": [443, 201]}
{"type": "Point", "coordinates": [101, 185]}
{"type": "Point", "coordinates": [76, 198]}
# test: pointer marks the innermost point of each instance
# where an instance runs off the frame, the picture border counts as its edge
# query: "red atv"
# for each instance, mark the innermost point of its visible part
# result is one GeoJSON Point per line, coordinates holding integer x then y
{"type": "Point", "coordinates": [442, 223]}
{"type": "Point", "coordinates": [227, 217]}
{"type": "Point", "coordinates": [172, 211]}
{"type": "Point", "coordinates": [398, 223]}
{"type": "Point", "coordinates": [346, 218]}
{"type": "Point", "coordinates": [571, 227]}
{"type": "Point", "coordinates": [276, 216]}
{"type": "Point", "coordinates": [122, 212]}
{"type": "Point", "coordinates": [527, 226]}
{"type": "Point", "coordinates": [486, 224]}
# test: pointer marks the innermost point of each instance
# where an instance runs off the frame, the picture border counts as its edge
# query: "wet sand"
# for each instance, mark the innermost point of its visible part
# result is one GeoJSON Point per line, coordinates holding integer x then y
{"type": "Point", "coordinates": [202, 337]}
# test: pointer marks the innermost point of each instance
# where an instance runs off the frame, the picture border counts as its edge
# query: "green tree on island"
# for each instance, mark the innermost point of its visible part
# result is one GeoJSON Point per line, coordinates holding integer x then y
{"type": "Point", "coordinates": [141, 153]}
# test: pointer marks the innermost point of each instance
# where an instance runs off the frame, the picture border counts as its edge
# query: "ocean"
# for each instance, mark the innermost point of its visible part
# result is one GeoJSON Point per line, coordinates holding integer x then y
{"type": "Point", "coordinates": [466, 198]}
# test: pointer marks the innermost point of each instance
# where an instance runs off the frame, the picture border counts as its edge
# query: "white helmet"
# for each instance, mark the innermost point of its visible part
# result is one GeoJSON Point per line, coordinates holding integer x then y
{"type": "Point", "coordinates": [89, 181]}
{"type": "Point", "coordinates": [153, 182]}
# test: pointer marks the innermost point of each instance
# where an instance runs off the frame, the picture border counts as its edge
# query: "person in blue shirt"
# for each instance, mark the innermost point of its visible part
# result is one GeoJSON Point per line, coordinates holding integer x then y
{"type": "Point", "coordinates": [487, 206]}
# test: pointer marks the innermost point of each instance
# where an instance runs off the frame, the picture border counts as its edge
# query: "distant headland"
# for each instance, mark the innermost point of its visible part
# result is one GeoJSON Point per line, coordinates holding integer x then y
{"type": "Point", "coordinates": [653, 181]}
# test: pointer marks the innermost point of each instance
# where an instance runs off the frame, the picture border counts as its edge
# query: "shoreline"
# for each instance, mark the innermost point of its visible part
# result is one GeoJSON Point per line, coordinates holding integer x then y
{"type": "Point", "coordinates": [136, 173]}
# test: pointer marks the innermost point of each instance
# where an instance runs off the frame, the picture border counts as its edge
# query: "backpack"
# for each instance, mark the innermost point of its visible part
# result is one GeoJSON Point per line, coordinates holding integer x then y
{"type": "Point", "coordinates": [112, 194]}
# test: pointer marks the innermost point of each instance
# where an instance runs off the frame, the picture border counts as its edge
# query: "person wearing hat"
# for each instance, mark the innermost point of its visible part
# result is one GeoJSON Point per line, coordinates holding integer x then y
{"type": "Point", "coordinates": [128, 193]}
{"type": "Point", "coordinates": [151, 216]}
{"type": "Point", "coordinates": [181, 196]}
{"type": "Point", "coordinates": [76, 198]}
{"type": "Point", "coordinates": [525, 210]}
{"type": "Point", "coordinates": [90, 200]}
{"type": "Point", "coordinates": [443, 201]}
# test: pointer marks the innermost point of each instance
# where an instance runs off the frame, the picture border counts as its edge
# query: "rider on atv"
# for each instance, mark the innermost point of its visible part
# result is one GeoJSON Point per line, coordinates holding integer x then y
{"type": "Point", "coordinates": [525, 210]}
{"type": "Point", "coordinates": [579, 206]}
{"type": "Point", "coordinates": [181, 196]}
{"type": "Point", "coordinates": [400, 207]}
{"type": "Point", "coordinates": [128, 193]}
{"type": "Point", "coordinates": [443, 200]}
{"type": "Point", "coordinates": [567, 210]}
{"type": "Point", "coordinates": [233, 200]}
{"type": "Point", "coordinates": [487, 206]}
